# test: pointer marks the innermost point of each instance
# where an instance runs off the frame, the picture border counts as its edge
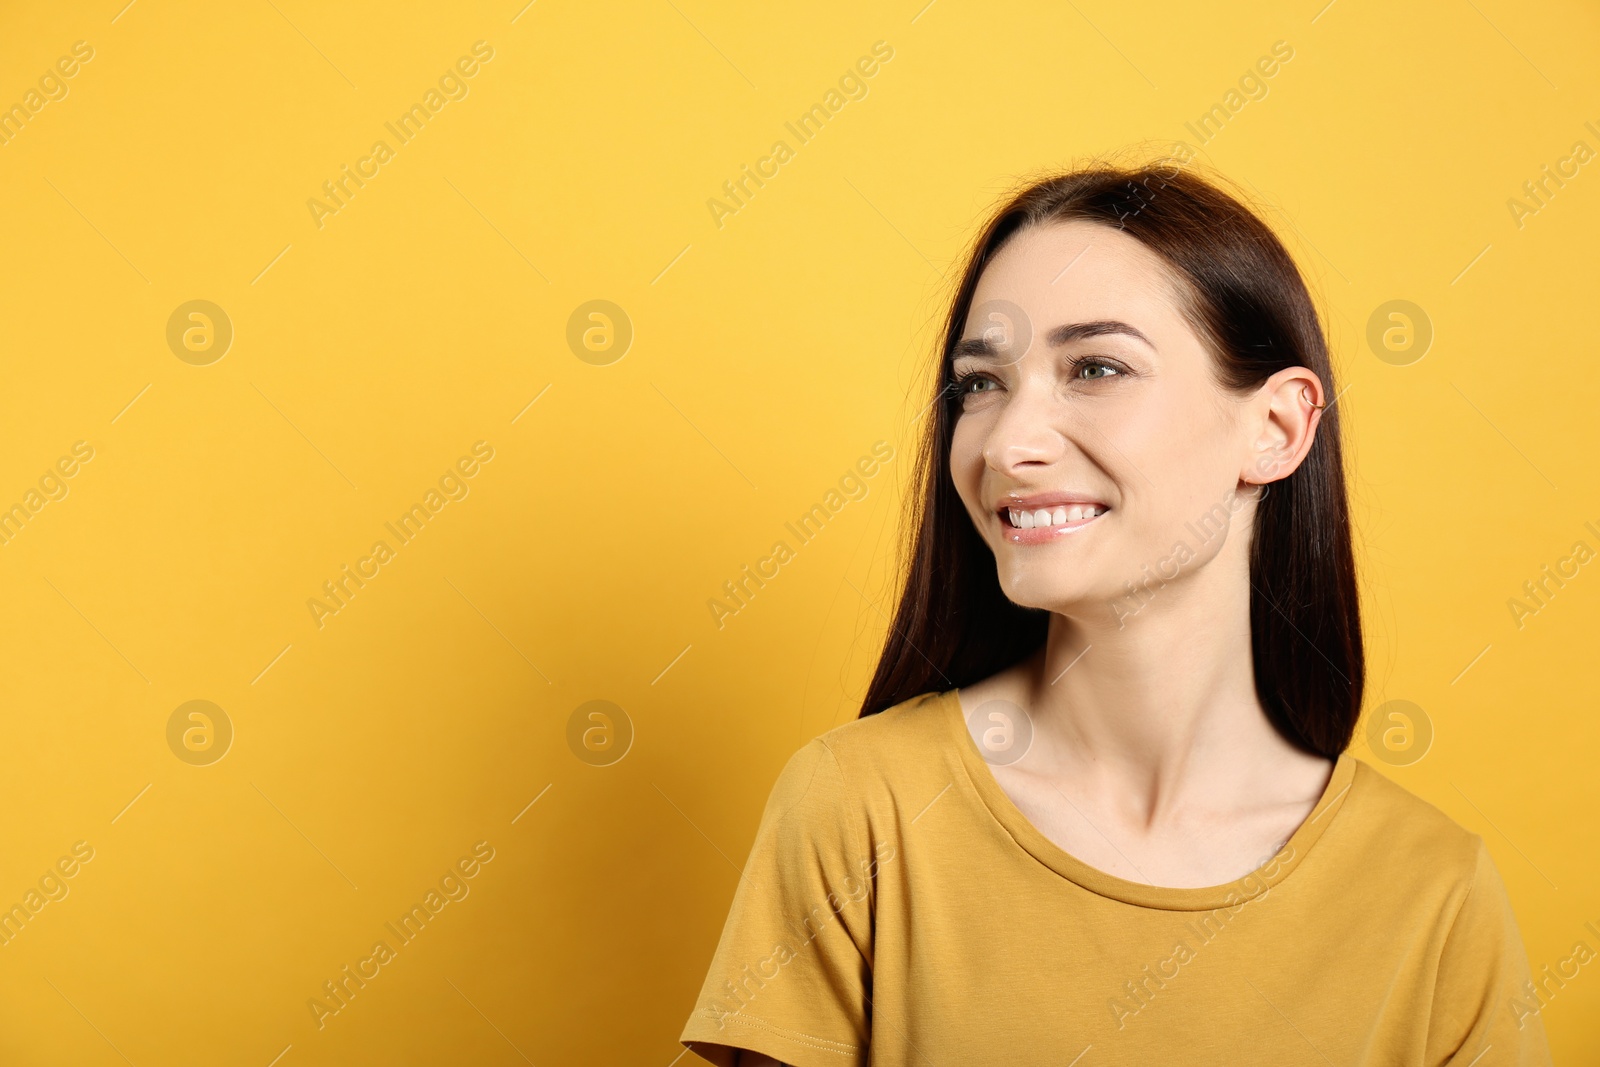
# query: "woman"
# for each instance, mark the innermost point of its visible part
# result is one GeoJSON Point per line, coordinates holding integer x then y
{"type": "Point", "coordinates": [1098, 807]}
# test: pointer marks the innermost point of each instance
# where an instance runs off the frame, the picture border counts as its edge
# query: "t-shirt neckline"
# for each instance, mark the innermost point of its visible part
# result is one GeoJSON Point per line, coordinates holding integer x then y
{"type": "Point", "coordinates": [1033, 841]}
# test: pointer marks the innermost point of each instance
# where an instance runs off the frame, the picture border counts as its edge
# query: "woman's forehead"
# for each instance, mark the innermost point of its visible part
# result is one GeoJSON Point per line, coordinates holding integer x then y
{"type": "Point", "coordinates": [1079, 271]}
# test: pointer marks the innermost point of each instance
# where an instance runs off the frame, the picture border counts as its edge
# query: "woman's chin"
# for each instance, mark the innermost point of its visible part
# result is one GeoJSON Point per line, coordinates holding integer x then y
{"type": "Point", "coordinates": [1072, 599]}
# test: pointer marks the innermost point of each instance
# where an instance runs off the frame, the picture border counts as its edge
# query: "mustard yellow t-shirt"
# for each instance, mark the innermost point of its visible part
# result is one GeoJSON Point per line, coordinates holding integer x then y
{"type": "Point", "coordinates": [897, 908]}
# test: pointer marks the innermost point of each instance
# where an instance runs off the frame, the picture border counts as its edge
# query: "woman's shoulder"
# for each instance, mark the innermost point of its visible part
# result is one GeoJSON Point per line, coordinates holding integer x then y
{"type": "Point", "coordinates": [910, 740]}
{"type": "Point", "coordinates": [919, 724]}
{"type": "Point", "coordinates": [1397, 826]}
{"type": "Point", "coordinates": [857, 768]}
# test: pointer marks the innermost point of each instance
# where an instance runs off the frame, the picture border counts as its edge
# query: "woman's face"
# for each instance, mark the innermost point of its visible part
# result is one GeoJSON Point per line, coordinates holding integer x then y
{"type": "Point", "coordinates": [1094, 402]}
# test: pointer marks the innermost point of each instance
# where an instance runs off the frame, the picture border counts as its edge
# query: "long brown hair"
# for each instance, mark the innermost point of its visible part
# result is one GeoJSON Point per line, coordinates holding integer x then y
{"type": "Point", "coordinates": [954, 626]}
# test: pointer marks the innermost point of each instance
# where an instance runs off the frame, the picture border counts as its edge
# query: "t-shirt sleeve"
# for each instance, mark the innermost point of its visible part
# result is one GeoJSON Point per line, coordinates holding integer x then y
{"type": "Point", "coordinates": [1484, 1011]}
{"type": "Point", "coordinates": [792, 972]}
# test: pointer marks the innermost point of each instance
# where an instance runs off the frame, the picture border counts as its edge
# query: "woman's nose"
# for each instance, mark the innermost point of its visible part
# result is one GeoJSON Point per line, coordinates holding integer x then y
{"type": "Point", "coordinates": [1029, 430]}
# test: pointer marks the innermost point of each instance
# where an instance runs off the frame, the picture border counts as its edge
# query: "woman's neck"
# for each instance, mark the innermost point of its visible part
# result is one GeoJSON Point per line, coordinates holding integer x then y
{"type": "Point", "coordinates": [1161, 706]}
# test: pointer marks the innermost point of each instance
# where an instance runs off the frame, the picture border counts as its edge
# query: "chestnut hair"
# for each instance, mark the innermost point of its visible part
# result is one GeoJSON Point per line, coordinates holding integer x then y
{"type": "Point", "coordinates": [1246, 299]}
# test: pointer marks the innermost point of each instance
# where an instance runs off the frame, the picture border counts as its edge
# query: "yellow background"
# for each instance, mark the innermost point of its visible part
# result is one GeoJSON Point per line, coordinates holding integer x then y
{"type": "Point", "coordinates": [768, 355]}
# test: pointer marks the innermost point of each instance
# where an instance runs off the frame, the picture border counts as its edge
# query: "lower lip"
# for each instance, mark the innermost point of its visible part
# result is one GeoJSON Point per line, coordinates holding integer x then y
{"type": "Point", "coordinates": [1041, 535]}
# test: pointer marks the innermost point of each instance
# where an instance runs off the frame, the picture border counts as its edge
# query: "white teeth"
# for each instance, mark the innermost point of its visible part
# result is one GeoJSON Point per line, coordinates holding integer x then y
{"type": "Point", "coordinates": [1028, 520]}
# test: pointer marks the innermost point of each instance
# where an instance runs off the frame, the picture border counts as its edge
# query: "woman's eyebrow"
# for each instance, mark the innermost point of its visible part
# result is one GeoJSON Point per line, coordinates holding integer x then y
{"type": "Point", "coordinates": [982, 348]}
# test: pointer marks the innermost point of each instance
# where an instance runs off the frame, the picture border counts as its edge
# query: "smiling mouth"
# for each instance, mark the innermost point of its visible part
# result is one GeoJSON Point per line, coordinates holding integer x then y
{"type": "Point", "coordinates": [1047, 525]}
{"type": "Point", "coordinates": [1060, 517]}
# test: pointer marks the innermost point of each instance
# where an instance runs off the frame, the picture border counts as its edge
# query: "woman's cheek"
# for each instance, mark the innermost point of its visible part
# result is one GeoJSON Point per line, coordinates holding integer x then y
{"type": "Point", "coordinates": [966, 459]}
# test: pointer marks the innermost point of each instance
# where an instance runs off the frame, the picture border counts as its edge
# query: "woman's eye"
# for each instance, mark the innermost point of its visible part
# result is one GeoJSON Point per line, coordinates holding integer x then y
{"type": "Point", "coordinates": [963, 384]}
{"type": "Point", "coordinates": [972, 383]}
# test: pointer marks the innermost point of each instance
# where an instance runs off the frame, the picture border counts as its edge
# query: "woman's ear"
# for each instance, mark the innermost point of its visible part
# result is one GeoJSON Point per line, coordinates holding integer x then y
{"type": "Point", "coordinates": [1282, 423]}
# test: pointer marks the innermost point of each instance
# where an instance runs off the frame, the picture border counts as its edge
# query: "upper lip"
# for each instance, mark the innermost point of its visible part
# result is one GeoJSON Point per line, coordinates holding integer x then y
{"type": "Point", "coordinates": [1037, 501]}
